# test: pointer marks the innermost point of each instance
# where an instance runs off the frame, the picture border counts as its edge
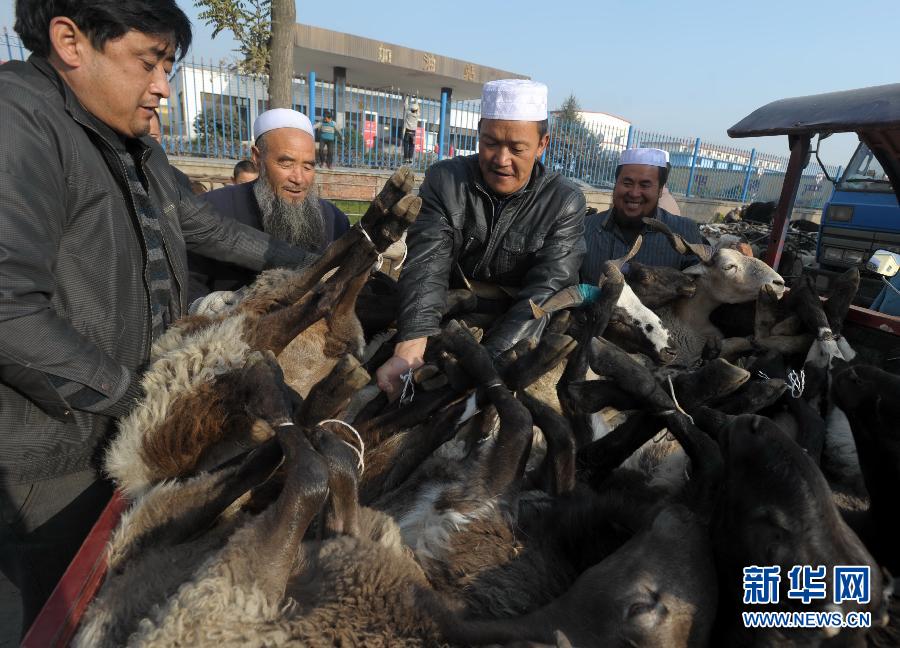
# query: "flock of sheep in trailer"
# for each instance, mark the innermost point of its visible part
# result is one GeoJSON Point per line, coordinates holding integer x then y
{"type": "Point", "coordinates": [604, 487]}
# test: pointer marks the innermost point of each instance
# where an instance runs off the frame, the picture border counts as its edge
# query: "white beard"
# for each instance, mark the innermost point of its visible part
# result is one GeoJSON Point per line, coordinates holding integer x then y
{"type": "Point", "coordinates": [298, 224]}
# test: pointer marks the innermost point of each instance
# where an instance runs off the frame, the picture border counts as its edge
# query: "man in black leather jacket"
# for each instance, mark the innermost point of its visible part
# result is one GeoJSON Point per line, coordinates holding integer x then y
{"type": "Point", "coordinates": [498, 217]}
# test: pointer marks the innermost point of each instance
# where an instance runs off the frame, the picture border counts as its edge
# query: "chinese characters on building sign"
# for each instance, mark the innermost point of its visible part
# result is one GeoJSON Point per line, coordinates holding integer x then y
{"type": "Point", "coordinates": [384, 54]}
{"type": "Point", "coordinates": [429, 62]}
{"type": "Point", "coordinates": [469, 72]}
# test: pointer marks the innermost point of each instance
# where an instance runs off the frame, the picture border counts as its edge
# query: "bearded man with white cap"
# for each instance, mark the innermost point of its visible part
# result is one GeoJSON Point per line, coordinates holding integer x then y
{"type": "Point", "coordinates": [640, 178]}
{"type": "Point", "coordinates": [282, 202]}
{"type": "Point", "coordinates": [498, 217]}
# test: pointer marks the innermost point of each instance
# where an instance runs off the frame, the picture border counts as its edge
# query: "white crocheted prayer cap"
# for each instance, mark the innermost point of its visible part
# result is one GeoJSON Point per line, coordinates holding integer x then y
{"type": "Point", "coordinates": [649, 156]}
{"type": "Point", "coordinates": [514, 100]}
{"type": "Point", "coordinates": [281, 118]}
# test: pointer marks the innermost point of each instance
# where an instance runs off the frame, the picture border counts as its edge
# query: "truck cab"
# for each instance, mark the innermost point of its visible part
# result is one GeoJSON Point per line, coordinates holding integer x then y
{"type": "Point", "coordinates": [861, 217]}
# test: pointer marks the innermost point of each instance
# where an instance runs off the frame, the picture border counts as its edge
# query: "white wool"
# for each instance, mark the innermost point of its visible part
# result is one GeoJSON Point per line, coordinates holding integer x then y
{"type": "Point", "coordinates": [599, 426]}
{"type": "Point", "coordinates": [427, 530]}
{"type": "Point", "coordinates": [629, 302]}
{"type": "Point", "coordinates": [197, 359]}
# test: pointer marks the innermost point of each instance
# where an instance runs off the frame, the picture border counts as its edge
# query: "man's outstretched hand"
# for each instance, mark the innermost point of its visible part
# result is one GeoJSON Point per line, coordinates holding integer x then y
{"type": "Point", "coordinates": [407, 355]}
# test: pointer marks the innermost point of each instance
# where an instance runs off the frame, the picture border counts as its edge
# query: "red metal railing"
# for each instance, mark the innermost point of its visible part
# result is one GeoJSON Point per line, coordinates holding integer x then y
{"type": "Point", "coordinates": [59, 618]}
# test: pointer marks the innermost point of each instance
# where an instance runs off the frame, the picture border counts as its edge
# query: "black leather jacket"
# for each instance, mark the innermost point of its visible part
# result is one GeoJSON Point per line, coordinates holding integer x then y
{"type": "Point", "coordinates": [536, 244]}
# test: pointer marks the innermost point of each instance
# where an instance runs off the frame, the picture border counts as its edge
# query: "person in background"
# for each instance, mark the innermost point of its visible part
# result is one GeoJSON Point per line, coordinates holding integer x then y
{"type": "Point", "coordinates": [640, 177]}
{"type": "Point", "coordinates": [328, 134]}
{"type": "Point", "coordinates": [410, 123]}
{"type": "Point", "coordinates": [283, 201]}
{"type": "Point", "coordinates": [497, 217]}
{"type": "Point", "coordinates": [156, 135]}
{"type": "Point", "coordinates": [245, 171]}
{"type": "Point", "coordinates": [93, 263]}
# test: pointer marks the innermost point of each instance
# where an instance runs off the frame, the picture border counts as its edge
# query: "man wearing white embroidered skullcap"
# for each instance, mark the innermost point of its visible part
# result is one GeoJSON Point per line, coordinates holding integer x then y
{"type": "Point", "coordinates": [282, 201]}
{"type": "Point", "coordinates": [640, 178]}
{"type": "Point", "coordinates": [498, 220]}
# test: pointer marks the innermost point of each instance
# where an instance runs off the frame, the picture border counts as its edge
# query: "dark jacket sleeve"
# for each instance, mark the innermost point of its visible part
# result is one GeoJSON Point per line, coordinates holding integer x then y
{"type": "Point", "coordinates": [426, 274]}
{"type": "Point", "coordinates": [42, 355]}
{"type": "Point", "coordinates": [210, 235]}
{"type": "Point", "coordinates": [556, 266]}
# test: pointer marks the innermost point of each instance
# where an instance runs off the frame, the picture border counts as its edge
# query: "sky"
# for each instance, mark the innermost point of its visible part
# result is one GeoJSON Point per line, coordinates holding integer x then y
{"type": "Point", "coordinates": [690, 68]}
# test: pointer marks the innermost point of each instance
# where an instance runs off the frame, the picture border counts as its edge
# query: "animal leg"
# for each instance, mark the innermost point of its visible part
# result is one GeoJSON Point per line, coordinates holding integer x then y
{"type": "Point", "coordinates": [598, 459]}
{"type": "Point", "coordinates": [335, 444]}
{"type": "Point", "coordinates": [389, 463]}
{"type": "Point", "coordinates": [397, 186]}
{"type": "Point", "coordinates": [175, 512]}
{"type": "Point", "coordinates": [386, 225]}
{"type": "Point", "coordinates": [589, 396]}
{"type": "Point", "coordinates": [505, 464]}
{"type": "Point", "coordinates": [713, 380]}
{"type": "Point", "coordinates": [707, 464]}
{"type": "Point", "coordinates": [275, 330]}
{"type": "Point", "coordinates": [557, 472]}
{"type": "Point", "coordinates": [551, 350]}
{"type": "Point", "coordinates": [811, 435]}
{"type": "Point", "coordinates": [329, 396]}
{"type": "Point", "coordinates": [766, 312]}
{"type": "Point", "coordinates": [843, 290]}
{"type": "Point", "coordinates": [806, 301]}
{"type": "Point", "coordinates": [275, 539]}
{"type": "Point", "coordinates": [752, 397]}
{"type": "Point", "coordinates": [610, 361]}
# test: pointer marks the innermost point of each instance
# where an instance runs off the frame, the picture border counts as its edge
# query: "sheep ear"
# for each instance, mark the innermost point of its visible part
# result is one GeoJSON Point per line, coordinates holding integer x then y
{"type": "Point", "coordinates": [695, 270]}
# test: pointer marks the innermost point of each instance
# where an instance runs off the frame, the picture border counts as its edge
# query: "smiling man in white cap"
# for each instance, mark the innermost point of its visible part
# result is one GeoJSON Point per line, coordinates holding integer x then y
{"type": "Point", "coordinates": [498, 217]}
{"type": "Point", "coordinates": [282, 201]}
{"type": "Point", "coordinates": [640, 178]}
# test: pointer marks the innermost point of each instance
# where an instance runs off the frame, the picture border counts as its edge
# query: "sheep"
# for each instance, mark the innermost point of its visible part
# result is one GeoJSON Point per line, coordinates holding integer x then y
{"type": "Point", "coordinates": [722, 276]}
{"type": "Point", "coordinates": [775, 508]}
{"type": "Point", "coordinates": [182, 426]}
{"type": "Point", "coordinates": [632, 324]}
{"type": "Point", "coordinates": [868, 395]}
{"type": "Point", "coordinates": [383, 580]}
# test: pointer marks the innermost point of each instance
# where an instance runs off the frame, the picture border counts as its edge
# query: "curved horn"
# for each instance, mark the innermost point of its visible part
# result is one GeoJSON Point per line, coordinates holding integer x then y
{"type": "Point", "coordinates": [565, 298]}
{"type": "Point", "coordinates": [630, 254]}
{"type": "Point", "coordinates": [702, 252]}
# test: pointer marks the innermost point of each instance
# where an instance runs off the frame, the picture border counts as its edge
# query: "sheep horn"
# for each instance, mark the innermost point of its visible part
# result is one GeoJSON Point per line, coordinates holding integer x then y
{"type": "Point", "coordinates": [630, 254]}
{"type": "Point", "coordinates": [565, 298]}
{"type": "Point", "coordinates": [702, 252]}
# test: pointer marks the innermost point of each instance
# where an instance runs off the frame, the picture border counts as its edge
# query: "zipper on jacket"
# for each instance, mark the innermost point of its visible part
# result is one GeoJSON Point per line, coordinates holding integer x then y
{"type": "Point", "coordinates": [493, 240]}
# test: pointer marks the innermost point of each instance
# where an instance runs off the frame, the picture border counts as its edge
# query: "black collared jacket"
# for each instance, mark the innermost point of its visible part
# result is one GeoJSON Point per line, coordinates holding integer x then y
{"type": "Point", "coordinates": [74, 304]}
{"type": "Point", "coordinates": [534, 245]}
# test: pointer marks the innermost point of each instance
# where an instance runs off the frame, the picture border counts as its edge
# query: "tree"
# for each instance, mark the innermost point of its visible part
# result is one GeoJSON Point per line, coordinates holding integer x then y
{"type": "Point", "coordinates": [570, 109]}
{"type": "Point", "coordinates": [281, 69]}
{"type": "Point", "coordinates": [221, 132]}
{"type": "Point", "coordinates": [249, 21]}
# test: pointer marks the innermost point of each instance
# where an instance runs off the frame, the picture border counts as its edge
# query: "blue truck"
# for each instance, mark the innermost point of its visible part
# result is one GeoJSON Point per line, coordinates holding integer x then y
{"type": "Point", "coordinates": [861, 217]}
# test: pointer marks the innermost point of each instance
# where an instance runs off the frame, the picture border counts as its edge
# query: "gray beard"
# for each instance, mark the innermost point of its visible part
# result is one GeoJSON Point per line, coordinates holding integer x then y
{"type": "Point", "coordinates": [302, 225]}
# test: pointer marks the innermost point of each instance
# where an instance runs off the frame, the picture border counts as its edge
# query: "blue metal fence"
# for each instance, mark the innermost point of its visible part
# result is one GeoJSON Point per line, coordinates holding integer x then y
{"type": "Point", "coordinates": [211, 109]}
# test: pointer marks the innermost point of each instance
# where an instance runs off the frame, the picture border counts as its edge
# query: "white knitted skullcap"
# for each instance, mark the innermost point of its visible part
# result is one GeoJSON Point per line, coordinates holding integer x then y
{"type": "Point", "coordinates": [514, 100]}
{"type": "Point", "coordinates": [649, 156]}
{"type": "Point", "coordinates": [281, 118]}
